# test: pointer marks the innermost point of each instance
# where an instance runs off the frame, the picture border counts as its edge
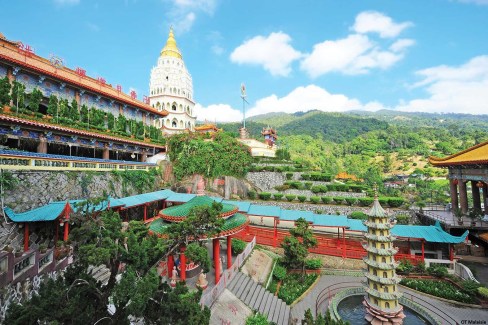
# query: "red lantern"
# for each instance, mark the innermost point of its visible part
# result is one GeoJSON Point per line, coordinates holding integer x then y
{"type": "Point", "coordinates": [479, 184]}
{"type": "Point", "coordinates": [455, 181]}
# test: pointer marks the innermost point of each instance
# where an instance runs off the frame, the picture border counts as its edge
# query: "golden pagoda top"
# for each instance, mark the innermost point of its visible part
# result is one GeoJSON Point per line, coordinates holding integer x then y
{"type": "Point", "coordinates": [477, 154]}
{"type": "Point", "coordinates": [171, 49]}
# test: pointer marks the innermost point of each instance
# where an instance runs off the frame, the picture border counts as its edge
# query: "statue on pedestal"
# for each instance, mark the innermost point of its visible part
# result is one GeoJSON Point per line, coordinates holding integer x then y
{"type": "Point", "coordinates": [174, 277]}
{"type": "Point", "coordinates": [202, 282]}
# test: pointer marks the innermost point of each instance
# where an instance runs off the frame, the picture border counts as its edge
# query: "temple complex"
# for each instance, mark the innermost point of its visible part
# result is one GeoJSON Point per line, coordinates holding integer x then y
{"type": "Point", "coordinates": [381, 301]}
{"type": "Point", "coordinates": [171, 90]}
{"type": "Point", "coordinates": [468, 168]}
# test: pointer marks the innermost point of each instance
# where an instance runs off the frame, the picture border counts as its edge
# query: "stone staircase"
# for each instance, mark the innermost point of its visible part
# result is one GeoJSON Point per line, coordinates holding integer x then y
{"type": "Point", "coordinates": [258, 298]}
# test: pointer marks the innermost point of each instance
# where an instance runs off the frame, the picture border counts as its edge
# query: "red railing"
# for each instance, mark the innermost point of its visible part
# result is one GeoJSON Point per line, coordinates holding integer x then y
{"type": "Point", "coordinates": [349, 248]}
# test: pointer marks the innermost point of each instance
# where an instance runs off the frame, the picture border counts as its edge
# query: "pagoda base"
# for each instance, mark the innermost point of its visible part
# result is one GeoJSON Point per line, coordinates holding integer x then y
{"type": "Point", "coordinates": [377, 316]}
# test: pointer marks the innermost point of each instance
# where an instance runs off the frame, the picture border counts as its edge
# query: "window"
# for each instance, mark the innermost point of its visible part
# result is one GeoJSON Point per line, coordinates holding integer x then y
{"type": "Point", "coordinates": [385, 289]}
{"type": "Point", "coordinates": [375, 272]}
{"type": "Point", "coordinates": [382, 246]}
{"type": "Point", "coordinates": [173, 107]}
{"type": "Point", "coordinates": [174, 124]}
{"type": "Point", "coordinates": [375, 286]}
{"type": "Point", "coordinates": [383, 260]}
{"type": "Point", "coordinates": [387, 305]}
{"type": "Point", "coordinates": [385, 275]}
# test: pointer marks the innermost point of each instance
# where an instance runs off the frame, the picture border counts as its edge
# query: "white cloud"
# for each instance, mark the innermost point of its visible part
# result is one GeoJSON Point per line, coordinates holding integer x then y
{"type": "Point", "coordinates": [376, 22]}
{"type": "Point", "coordinates": [355, 54]}
{"type": "Point", "coordinates": [183, 13]}
{"type": "Point", "coordinates": [273, 52]}
{"type": "Point", "coordinates": [478, 2]}
{"type": "Point", "coordinates": [401, 44]}
{"type": "Point", "coordinates": [461, 89]}
{"type": "Point", "coordinates": [66, 2]}
{"type": "Point", "coordinates": [218, 113]}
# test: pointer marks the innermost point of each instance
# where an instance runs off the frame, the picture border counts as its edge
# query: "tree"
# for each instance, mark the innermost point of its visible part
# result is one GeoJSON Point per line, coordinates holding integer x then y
{"type": "Point", "coordinates": [137, 293]}
{"type": "Point", "coordinates": [52, 106]}
{"type": "Point", "coordinates": [387, 163]}
{"type": "Point", "coordinates": [4, 92]}
{"type": "Point", "coordinates": [35, 99]}
{"type": "Point", "coordinates": [74, 114]}
{"type": "Point", "coordinates": [18, 94]}
{"type": "Point", "coordinates": [297, 245]}
{"type": "Point", "coordinates": [84, 113]}
{"type": "Point", "coordinates": [110, 121]}
{"type": "Point", "coordinates": [257, 319]}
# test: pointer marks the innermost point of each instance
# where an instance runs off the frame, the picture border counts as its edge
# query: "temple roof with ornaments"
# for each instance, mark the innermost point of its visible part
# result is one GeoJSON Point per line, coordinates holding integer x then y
{"type": "Point", "coordinates": [477, 154]}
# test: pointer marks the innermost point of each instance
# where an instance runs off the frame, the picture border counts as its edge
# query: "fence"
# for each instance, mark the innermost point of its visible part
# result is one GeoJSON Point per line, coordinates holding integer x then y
{"type": "Point", "coordinates": [339, 247]}
{"type": "Point", "coordinates": [464, 272]}
{"type": "Point", "coordinates": [209, 298]}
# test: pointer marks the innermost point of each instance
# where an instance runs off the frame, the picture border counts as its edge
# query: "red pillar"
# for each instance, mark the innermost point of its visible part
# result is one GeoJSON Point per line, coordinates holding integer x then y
{"type": "Point", "coordinates": [451, 252]}
{"type": "Point", "coordinates": [66, 230]}
{"type": "Point", "coordinates": [26, 236]}
{"type": "Point", "coordinates": [463, 196]}
{"type": "Point", "coordinates": [454, 193]}
{"type": "Point", "coordinates": [229, 252]}
{"type": "Point", "coordinates": [171, 264]}
{"type": "Point", "coordinates": [183, 264]}
{"type": "Point", "coordinates": [216, 256]}
{"type": "Point", "coordinates": [423, 251]}
{"type": "Point", "coordinates": [275, 235]}
{"type": "Point", "coordinates": [145, 212]}
{"type": "Point", "coordinates": [343, 243]}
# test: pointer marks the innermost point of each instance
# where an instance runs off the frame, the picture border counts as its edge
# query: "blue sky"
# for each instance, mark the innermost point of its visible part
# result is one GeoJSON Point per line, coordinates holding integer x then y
{"type": "Point", "coordinates": [416, 55]}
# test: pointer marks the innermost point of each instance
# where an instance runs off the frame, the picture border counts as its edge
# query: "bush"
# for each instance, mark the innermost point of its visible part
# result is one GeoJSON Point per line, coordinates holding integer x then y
{"type": "Point", "coordinates": [437, 288]}
{"type": "Point", "coordinates": [402, 219]}
{"type": "Point", "coordinates": [338, 200]}
{"type": "Point", "coordinates": [251, 194]}
{"type": "Point", "coordinates": [420, 267]}
{"type": "Point", "coordinates": [341, 187]}
{"type": "Point", "coordinates": [238, 246]}
{"type": "Point", "coordinates": [301, 198]}
{"type": "Point", "coordinates": [316, 189]}
{"type": "Point", "coordinates": [395, 202]}
{"type": "Point", "coordinates": [257, 319]}
{"type": "Point", "coordinates": [326, 199]}
{"type": "Point", "coordinates": [365, 201]}
{"type": "Point", "coordinates": [278, 196]}
{"type": "Point", "coordinates": [483, 292]}
{"type": "Point", "coordinates": [289, 176]}
{"type": "Point", "coordinates": [405, 267]}
{"type": "Point", "coordinates": [308, 185]}
{"type": "Point", "coordinates": [282, 188]}
{"type": "Point", "coordinates": [439, 271]}
{"type": "Point", "coordinates": [470, 287]}
{"type": "Point", "coordinates": [313, 263]}
{"type": "Point", "coordinates": [290, 197]}
{"type": "Point", "coordinates": [383, 200]}
{"type": "Point", "coordinates": [358, 215]}
{"type": "Point", "coordinates": [351, 200]}
{"type": "Point", "coordinates": [279, 272]}
{"type": "Point", "coordinates": [265, 196]}
{"type": "Point", "coordinates": [315, 199]}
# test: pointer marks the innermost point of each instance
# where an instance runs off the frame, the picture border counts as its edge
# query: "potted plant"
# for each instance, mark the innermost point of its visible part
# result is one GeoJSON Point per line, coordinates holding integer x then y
{"type": "Point", "coordinates": [18, 253]}
{"type": "Point", "coordinates": [43, 248]}
{"type": "Point", "coordinates": [474, 214]}
{"type": "Point", "coordinates": [459, 215]}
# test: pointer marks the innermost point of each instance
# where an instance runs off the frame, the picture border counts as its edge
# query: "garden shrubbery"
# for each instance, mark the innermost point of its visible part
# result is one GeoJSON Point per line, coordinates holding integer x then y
{"type": "Point", "coordinates": [437, 288]}
{"type": "Point", "coordinates": [238, 246]}
{"type": "Point", "coordinates": [265, 196]}
{"type": "Point", "coordinates": [358, 215]}
{"type": "Point", "coordinates": [313, 263]}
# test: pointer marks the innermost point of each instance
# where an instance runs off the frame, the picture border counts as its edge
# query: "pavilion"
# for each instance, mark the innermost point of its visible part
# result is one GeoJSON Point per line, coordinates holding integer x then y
{"type": "Point", "coordinates": [469, 166]}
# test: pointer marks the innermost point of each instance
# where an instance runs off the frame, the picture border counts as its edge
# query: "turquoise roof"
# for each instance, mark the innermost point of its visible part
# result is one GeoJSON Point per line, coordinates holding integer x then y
{"type": "Point", "coordinates": [140, 199]}
{"type": "Point", "coordinates": [264, 210]}
{"type": "Point", "coordinates": [328, 220]}
{"type": "Point", "coordinates": [356, 225]}
{"type": "Point", "coordinates": [180, 197]}
{"type": "Point", "coordinates": [296, 214]}
{"type": "Point", "coordinates": [47, 212]}
{"type": "Point", "coordinates": [242, 205]}
{"type": "Point", "coordinates": [433, 234]}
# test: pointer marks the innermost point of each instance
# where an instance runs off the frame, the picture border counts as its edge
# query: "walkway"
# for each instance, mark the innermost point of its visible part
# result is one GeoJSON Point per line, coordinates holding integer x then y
{"type": "Point", "coordinates": [258, 298]}
{"type": "Point", "coordinates": [459, 314]}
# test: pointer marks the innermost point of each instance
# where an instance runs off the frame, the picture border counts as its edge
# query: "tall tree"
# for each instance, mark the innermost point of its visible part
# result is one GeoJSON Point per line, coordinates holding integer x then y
{"type": "Point", "coordinates": [18, 94]}
{"type": "Point", "coordinates": [35, 99]}
{"type": "Point", "coordinates": [52, 106]}
{"type": "Point", "coordinates": [4, 92]}
{"type": "Point", "coordinates": [297, 245]}
{"type": "Point", "coordinates": [84, 113]}
{"type": "Point", "coordinates": [74, 113]}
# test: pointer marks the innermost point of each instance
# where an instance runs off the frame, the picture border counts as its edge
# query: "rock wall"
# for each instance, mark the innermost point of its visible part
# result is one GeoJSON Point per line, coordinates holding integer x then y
{"type": "Point", "coordinates": [37, 188]}
{"type": "Point", "coordinates": [266, 181]}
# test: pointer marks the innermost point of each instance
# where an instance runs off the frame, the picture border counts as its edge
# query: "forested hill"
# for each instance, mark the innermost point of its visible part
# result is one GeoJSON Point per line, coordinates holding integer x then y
{"type": "Point", "coordinates": [333, 127]}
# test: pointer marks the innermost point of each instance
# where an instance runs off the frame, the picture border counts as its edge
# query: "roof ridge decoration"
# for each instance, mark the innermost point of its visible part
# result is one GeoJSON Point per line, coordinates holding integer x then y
{"type": "Point", "coordinates": [480, 156]}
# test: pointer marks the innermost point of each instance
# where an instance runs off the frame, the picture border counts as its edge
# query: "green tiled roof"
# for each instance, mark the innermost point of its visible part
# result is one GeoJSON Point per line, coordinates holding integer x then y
{"type": "Point", "coordinates": [158, 226]}
{"type": "Point", "coordinates": [377, 210]}
{"type": "Point", "coordinates": [47, 212]}
{"type": "Point", "coordinates": [235, 221]}
{"type": "Point", "coordinates": [184, 209]}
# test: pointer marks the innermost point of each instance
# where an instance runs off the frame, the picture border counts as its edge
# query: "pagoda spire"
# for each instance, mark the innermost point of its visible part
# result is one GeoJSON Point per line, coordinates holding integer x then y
{"type": "Point", "coordinates": [171, 49]}
{"type": "Point", "coordinates": [381, 301]}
